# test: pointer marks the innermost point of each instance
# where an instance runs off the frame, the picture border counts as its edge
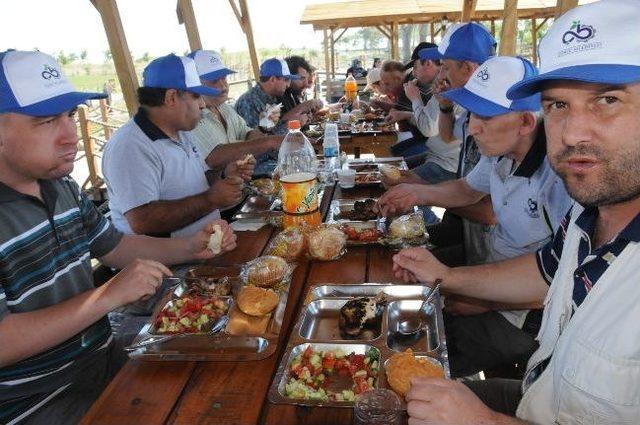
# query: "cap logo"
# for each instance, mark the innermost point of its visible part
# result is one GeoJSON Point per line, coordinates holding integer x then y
{"type": "Point", "coordinates": [214, 60]}
{"type": "Point", "coordinates": [483, 74]}
{"type": "Point", "coordinates": [50, 72]}
{"type": "Point", "coordinates": [578, 32]}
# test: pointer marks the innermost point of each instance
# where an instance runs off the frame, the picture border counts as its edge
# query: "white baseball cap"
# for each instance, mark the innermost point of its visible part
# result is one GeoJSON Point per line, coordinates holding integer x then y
{"type": "Point", "coordinates": [485, 93]}
{"type": "Point", "coordinates": [32, 83]}
{"type": "Point", "coordinates": [209, 64]}
{"type": "Point", "coordinates": [593, 43]}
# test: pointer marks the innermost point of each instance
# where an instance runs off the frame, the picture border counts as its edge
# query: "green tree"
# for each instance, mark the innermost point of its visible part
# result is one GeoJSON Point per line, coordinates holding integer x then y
{"type": "Point", "coordinates": [84, 54]}
{"type": "Point", "coordinates": [108, 57]}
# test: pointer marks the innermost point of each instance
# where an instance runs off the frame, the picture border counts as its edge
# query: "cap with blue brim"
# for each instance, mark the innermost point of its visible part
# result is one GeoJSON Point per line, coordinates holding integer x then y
{"type": "Point", "coordinates": [210, 65]}
{"type": "Point", "coordinates": [32, 83]}
{"type": "Point", "coordinates": [175, 72]}
{"type": "Point", "coordinates": [275, 67]}
{"type": "Point", "coordinates": [593, 43]}
{"type": "Point", "coordinates": [485, 94]}
{"type": "Point", "coordinates": [463, 42]}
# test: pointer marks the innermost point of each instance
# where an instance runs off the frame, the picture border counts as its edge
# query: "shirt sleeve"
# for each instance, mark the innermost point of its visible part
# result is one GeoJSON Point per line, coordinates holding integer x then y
{"type": "Point", "coordinates": [548, 257]}
{"type": "Point", "coordinates": [4, 310]}
{"type": "Point", "coordinates": [480, 177]}
{"type": "Point", "coordinates": [426, 116]}
{"type": "Point", "coordinates": [248, 111]}
{"type": "Point", "coordinates": [242, 129]}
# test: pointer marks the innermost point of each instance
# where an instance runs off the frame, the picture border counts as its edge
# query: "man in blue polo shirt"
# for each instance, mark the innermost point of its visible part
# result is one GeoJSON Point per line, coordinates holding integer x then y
{"type": "Point", "coordinates": [529, 201]}
{"type": "Point", "coordinates": [56, 346]}
{"type": "Point", "coordinates": [586, 369]}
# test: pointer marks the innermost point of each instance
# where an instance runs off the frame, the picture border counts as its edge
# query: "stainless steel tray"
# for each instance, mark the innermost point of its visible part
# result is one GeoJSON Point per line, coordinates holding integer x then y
{"type": "Point", "coordinates": [339, 206]}
{"type": "Point", "coordinates": [317, 325]}
{"type": "Point", "coordinates": [243, 339]}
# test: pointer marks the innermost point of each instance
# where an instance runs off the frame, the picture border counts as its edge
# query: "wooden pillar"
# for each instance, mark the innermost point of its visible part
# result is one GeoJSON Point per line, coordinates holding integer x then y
{"type": "Point", "coordinates": [333, 55]}
{"type": "Point", "coordinates": [242, 15]}
{"type": "Point", "coordinates": [327, 65]}
{"type": "Point", "coordinates": [395, 45]}
{"type": "Point", "coordinates": [186, 16]}
{"type": "Point", "coordinates": [119, 51]}
{"type": "Point", "coordinates": [493, 28]}
{"type": "Point", "coordinates": [87, 142]}
{"type": "Point", "coordinates": [468, 9]}
{"type": "Point", "coordinates": [534, 41]}
{"type": "Point", "coordinates": [432, 32]}
{"type": "Point", "coordinates": [104, 113]}
{"type": "Point", "coordinates": [564, 5]}
{"type": "Point", "coordinates": [509, 28]}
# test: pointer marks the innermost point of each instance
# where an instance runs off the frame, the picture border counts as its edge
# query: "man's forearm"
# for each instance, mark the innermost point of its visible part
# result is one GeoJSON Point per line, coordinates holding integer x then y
{"type": "Point", "coordinates": [23, 335]}
{"type": "Point", "coordinates": [167, 251]}
{"type": "Point", "coordinates": [223, 154]}
{"type": "Point", "coordinates": [479, 212]}
{"type": "Point", "coordinates": [448, 194]}
{"type": "Point", "coordinates": [445, 126]}
{"type": "Point", "coordinates": [514, 281]}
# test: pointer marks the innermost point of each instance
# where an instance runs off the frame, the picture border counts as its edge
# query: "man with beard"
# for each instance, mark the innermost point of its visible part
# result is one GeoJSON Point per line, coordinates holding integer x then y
{"type": "Point", "coordinates": [294, 95]}
{"type": "Point", "coordinates": [154, 173]}
{"type": "Point", "coordinates": [586, 369]}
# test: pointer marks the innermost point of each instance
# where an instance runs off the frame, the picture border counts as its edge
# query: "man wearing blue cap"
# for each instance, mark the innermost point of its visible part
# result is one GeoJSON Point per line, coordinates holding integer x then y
{"type": "Point", "coordinates": [222, 135]}
{"type": "Point", "coordinates": [57, 352]}
{"type": "Point", "coordinates": [260, 100]}
{"type": "Point", "coordinates": [155, 175]}
{"type": "Point", "coordinates": [528, 198]}
{"type": "Point", "coordinates": [586, 369]}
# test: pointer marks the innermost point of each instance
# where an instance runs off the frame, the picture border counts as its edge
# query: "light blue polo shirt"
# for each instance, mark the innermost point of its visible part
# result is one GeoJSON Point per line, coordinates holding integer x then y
{"type": "Point", "coordinates": [141, 164]}
{"type": "Point", "coordinates": [529, 202]}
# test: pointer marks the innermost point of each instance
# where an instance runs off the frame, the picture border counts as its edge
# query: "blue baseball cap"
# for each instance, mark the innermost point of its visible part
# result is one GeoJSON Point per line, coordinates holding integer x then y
{"type": "Point", "coordinates": [275, 67]}
{"type": "Point", "coordinates": [175, 72]}
{"type": "Point", "coordinates": [485, 93]}
{"type": "Point", "coordinates": [593, 43]}
{"type": "Point", "coordinates": [32, 83]}
{"type": "Point", "coordinates": [209, 65]}
{"type": "Point", "coordinates": [463, 42]}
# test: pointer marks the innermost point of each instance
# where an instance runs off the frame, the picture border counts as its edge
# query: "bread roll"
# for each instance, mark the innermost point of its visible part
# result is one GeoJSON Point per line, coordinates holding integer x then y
{"type": "Point", "coordinates": [256, 301]}
{"type": "Point", "coordinates": [402, 367]}
{"type": "Point", "coordinates": [215, 240]}
{"type": "Point", "coordinates": [326, 243]}
{"type": "Point", "coordinates": [390, 171]}
{"type": "Point", "coordinates": [267, 271]}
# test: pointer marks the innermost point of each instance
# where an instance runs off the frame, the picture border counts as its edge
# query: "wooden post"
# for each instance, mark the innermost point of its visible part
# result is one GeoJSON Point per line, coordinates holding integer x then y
{"type": "Point", "coordinates": [564, 5]}
{"type": "Point", "coordinates": [432, 32]}
{"type": "Point", "coordinates": [119, 51]}
{"type": "Point", "coordinates": [509, 27]}
{"type": "Point", "coordinates": [395, 50]}
{"type": "Point", "coordinates": [104, 112]}
{"type": "Point", "coordinates": [534, 41]}
{"type": "Point", "coordinates": [242, 14]}
{"type": "Point", "coordinates": [333, 55]}
{"type": "Point", "coordinates": [187, 17]}
{"type": "Point", "coordinates": [327, 65]}
{"type": "Point", "coordinates": [493, 28]}
{"type": "Point", "coordinates": [468, 9]}
{"type": "Point", "coordinates": [87, 142]}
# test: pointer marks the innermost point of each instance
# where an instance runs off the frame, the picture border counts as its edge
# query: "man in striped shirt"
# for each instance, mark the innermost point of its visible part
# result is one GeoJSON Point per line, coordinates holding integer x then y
{"type": "Point", "coordinates": [56, 346]}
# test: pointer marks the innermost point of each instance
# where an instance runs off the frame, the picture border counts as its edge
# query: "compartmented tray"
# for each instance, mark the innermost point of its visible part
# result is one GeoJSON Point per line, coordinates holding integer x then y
{"type": "Point", "coordinates": [244, 338]}
{"type": "Point", "coordinates": [318, 326]}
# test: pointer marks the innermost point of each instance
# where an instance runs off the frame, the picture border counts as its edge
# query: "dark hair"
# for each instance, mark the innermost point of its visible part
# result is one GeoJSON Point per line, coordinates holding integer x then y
{"type": "Point", "coordinates": [436, 61]}
{"type": "Point", "coordinates": [264, 79]}
{"type": "Point", "coordinates": [295, 62]}
{"type": "Point", "coordinates": [391, 66]}
{"type": "Point", "coordinates": [154, 96]}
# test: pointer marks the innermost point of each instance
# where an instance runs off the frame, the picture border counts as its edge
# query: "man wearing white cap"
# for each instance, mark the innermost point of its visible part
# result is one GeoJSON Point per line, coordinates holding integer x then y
{"type": "Point", "coordinates": [528, 198]}
{"type": "Point", "coordinates": [586, 369]}
{"type": "Point", "coordinates": [155, 175]}
{"type": "Point", "coordinates": [222, 135]}
{"type": "Point", "coordinates": [57, 352]}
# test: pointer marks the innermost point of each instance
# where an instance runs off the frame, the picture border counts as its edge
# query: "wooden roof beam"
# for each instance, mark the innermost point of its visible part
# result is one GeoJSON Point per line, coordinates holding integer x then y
{"type": "Point", "coordinates": [468, 9]}
{"type": "Point", "coordinates": [339, 36]}
{"type": "Point", "coordinates": [187, 16]}
{"type": "Point", "coordinates": [385, 31]}
{"type": "Point", "coordinates": [242, 14]}
{"type": "Point", "coordinates": [564, 5]}
{"type": "Point", "coordinates": [509, 28]}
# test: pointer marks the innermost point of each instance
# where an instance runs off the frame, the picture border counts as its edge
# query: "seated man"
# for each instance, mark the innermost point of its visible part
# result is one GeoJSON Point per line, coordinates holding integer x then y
{"type": "Point", "coordinates": [529, 201]}
{"type": "Point", "coordinates": [222, 135]}
{"type": "Point", "coordinates": [356, 70]}
{"type": "Point", "coordinates": [586, 369]}
{"type": "Point", "coordinates": [155, 175]}
{"type": "Point", "coordinates": [253, 104]}
{"type": "Point", "coordinates": [57, 352]}
{"type": "Point", "coordinates": [294, 96]}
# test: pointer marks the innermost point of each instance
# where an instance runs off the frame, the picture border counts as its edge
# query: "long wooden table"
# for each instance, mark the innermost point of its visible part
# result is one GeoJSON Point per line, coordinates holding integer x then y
{"type": "Point", "coordinates": [146, 392]}
{"type": "Point", "coordinates": [378, 144]}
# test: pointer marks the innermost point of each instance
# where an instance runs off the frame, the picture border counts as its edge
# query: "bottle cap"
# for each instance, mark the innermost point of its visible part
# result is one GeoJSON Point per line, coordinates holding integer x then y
{"type": "Point", "coordinates": [293, 125]}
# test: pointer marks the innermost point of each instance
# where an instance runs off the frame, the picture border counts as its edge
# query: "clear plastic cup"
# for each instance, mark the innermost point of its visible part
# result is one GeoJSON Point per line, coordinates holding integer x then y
{"type": "Point", "coordinates": [346, 178]}
{"type": "Point", "coordinates": [379, 406]}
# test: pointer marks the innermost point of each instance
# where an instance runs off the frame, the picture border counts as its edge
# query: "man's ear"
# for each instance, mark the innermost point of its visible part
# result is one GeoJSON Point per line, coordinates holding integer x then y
{"type": "Point", "coordinates": [171, 97]}
{"type": "Point", "coordinates": [528, 123]}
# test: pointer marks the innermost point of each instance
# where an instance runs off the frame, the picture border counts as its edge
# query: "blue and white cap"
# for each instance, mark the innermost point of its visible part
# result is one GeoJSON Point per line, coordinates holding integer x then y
{"type": "Point", "coordinates": [209, 65]}
{"type": "Point", "coordinates": [175, 72]}
{"type": "Point", "coordinates": [593, 43]}
{"type": "Point", "coordinates": [463, 42]}
{"type": "Point", "coordinates": [32, 83]}
{"type": "Point", "coordinates": [485, 93]}
{"type": "Point", "coordinates": [275, 67]}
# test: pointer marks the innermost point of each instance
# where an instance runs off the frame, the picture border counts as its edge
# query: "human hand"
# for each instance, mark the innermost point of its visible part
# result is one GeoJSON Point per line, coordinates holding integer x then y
{"type": "Point", "coordinates": [399, 199]}
{"type": "Point", "coordinates": [458, 305]}
{"type": "Point", "coordinates": [412, 91]}
{"type": "Point", "coordinates": [406, 176]}
{"type": "Point", "coordinates": [418, 265]}
{"type": "Point", "coordinates": [440, 401]}
{"type": "Point", "coordinates": [394, 116]}
{"type": "Point", "coordinates": [313, 105]}
{"type": "Point", "coordinates": [242, 168]}
{"type": "Point", "coordinates": [226, 192]}
{"type": "Point", "coordinates": [198, 243]}
{"type": "Point", "coordinates": [275, 141]}
{"type": "Point", "coordinates": [140, 279]}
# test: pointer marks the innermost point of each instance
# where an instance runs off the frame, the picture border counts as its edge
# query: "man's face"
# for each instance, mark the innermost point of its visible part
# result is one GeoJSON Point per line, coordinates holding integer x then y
{"type": "Point", "coordinates": [223, 86]}
{"type": "Point", "coordinates": [425, 72]}
{"type": "Point", "coordinates": [497, 135]}
{"type": "Point", "coordinates": [299, 85]}
{"type": "Point", "coordinates": [458, 73]}
{"type": "Point", "coordinates": [280, 85]}
{"type": "Point", "coordinates": [188, 110]}
{"type": "Point", "coordinates": [38, 147]}
{"type": "Point", "coordinates": [593, 140]}
{"type": "Point", "coordinates": [391, 83]}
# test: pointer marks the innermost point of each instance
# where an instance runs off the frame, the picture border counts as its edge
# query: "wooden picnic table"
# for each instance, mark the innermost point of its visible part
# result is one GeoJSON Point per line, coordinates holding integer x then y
{"type": "Point", "coordinates": [165, 392]}
{"type": "Point", "coordinates": [375, 143]}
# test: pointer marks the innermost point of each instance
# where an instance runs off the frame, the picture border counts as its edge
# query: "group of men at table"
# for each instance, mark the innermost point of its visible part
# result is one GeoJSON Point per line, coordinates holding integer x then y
{"type": "Point", "coordinates": [546, 185]}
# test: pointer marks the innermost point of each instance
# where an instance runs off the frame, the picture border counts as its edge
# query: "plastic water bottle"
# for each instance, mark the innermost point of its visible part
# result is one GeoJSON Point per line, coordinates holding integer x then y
{"type": "Point", "coordinates": [350, 89]}
{"type": "Point", "coordinates": [331, 148]}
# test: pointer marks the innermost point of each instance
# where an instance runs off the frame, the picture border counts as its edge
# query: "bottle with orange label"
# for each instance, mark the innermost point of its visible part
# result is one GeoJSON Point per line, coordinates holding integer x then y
{"type": "Point", "coordinates": [297, 170]}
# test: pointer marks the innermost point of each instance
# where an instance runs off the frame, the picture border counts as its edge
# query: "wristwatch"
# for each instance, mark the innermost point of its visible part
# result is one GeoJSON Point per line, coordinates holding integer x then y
{"type": "Point", "coordinates": [446, 109]}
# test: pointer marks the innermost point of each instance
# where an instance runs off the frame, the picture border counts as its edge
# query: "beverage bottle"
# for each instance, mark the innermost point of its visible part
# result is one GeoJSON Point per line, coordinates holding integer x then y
{"type": "Point", "coordinates": [297, 170]}
{"type": "Point", "coordinates": [331, 149]}
{"type": "Point", "coordinates": [350, 89]}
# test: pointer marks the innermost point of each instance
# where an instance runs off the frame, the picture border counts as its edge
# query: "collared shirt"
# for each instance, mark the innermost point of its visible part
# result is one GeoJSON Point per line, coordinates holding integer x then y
{"type": "Point", "coordinates": [255, 101]}
{"type": "Point", "coordinates": [404, 104]}
{"type": "Point", "coordinates": [529, 202]}
{"type": "Point", "coordinates": [212, 132]}
{"type": "Point", "coordinates": [141, 164]}
{"type": "Point", "coordinates": [290, 100]}
{"type": "Point", "coordinates": [45, 258]}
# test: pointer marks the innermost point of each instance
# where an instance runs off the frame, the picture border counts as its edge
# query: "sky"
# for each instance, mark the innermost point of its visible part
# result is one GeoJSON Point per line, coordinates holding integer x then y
{"type": "Point", "coordinates": [151, 26]}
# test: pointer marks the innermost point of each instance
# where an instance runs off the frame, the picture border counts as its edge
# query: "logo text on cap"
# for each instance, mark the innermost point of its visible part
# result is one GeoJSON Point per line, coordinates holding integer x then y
{"type": "Point", "coordinates": [578, 32]}
{"type": "Point", "coordinates": [50, 72]}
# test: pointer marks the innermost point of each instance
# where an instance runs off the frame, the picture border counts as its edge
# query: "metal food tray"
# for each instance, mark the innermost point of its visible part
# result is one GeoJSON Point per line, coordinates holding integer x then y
{"type": "Point", "coordinates": [369, 224]}
{"type": "Point", "coordinates": [256, 206]}
{"type": "Point", "coordinates": [317, 325]}
{"type": "Point", "coordinates": [223, 346]}
{"type": "Point", "coordinates": [338, 206]}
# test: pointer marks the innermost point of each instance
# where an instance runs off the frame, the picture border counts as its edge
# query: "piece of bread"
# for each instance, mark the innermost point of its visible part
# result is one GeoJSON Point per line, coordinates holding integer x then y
{"type": "Point", "coordinates": [244, 161]}
{"type": "Point", "coordinates": [326, 243]}
{"type": "Point", "coordinates": [256, 301]}
{"type": "Point", "coordinates": [215, 240]}
{"type": "Point", "coordinates": [390, 171]}
{"type": "Point", "coordinates": [267, 271]}
{"type": "Point", "coordinates": [288, 244]}
{"type": "Point", "coordinates": [243, 324]}
{"type": "Point", "coordinates": [402, 367]}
